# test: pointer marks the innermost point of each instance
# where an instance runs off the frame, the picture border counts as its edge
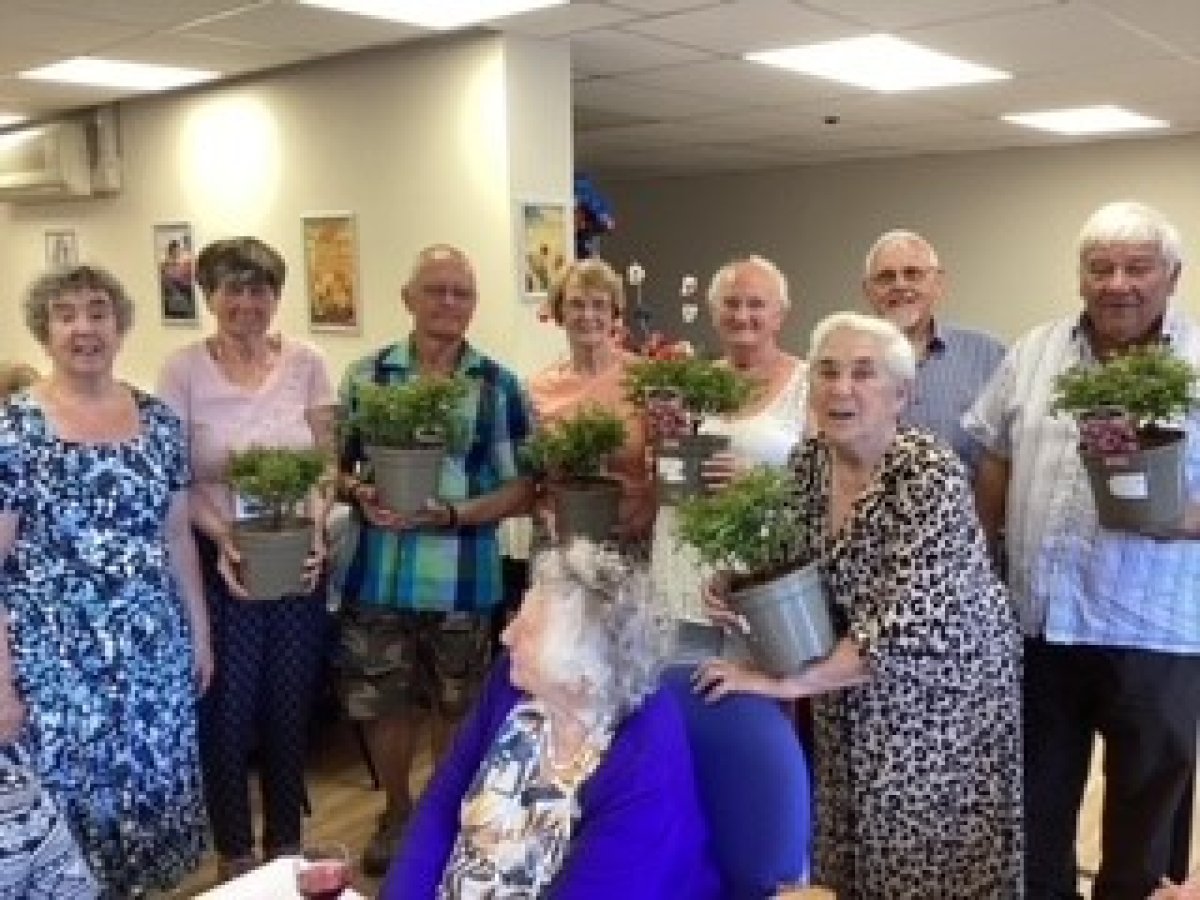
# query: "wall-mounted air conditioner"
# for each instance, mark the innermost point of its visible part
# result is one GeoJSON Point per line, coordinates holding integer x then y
{"type": "Point", "coordinates": [44, 163]}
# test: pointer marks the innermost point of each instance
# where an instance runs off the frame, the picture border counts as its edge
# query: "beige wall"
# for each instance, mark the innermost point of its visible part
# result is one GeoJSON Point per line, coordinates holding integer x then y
{"type": "Point", "coordinates": [430, 143]}
{"type": "Point", "coordinates": [1004, 221]}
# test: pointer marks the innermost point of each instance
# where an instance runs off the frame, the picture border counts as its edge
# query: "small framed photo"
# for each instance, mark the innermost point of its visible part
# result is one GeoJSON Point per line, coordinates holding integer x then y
{"type": "Point", "coordinates": [544, 242]}
{"type": "Point", "coordinates": [62, 249]}
{"type": "Point", "coordinates": [331, 272]}
{"type": "Point", "coordinates": [175, 265]}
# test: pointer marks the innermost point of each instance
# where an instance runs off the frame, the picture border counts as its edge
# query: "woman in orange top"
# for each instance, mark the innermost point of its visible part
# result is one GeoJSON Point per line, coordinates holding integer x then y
{"type": "Point", "coordinates": [587, 300]}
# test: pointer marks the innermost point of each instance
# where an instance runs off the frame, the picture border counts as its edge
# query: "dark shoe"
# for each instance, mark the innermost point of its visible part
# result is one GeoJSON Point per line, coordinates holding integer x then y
{"type": "Point", "coordinates": [382, 846]}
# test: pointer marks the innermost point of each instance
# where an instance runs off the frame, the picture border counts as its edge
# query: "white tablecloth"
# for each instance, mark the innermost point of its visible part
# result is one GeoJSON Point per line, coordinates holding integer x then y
{"type": "Point", "coordinates": [274, 881]}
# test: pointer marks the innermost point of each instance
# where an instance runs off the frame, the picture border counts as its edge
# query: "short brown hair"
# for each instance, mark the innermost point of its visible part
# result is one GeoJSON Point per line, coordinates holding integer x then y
{"type": "Point", "coordinates": [591, 275]}
{"type": "Point", "coordinates": [50, 286]}
{"type": "Point", "coordinates": [244, 258]}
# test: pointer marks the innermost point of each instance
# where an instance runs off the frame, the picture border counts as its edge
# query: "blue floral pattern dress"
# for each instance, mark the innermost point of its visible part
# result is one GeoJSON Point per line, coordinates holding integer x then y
{"type": "Point", "coordinates": [100, 641]}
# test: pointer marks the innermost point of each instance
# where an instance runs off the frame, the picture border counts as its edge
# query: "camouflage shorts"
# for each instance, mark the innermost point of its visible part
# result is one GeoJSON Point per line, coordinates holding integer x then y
{"type": "Point", "coordinates": [393, 660]}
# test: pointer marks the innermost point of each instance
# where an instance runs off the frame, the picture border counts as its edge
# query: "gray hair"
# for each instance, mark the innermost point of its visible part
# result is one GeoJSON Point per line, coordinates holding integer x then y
{"type": "Point", "coordinates": [897, 236]}
{"type": "Point", "coordinates": [436, 253]}
{"type": "Point", "coordinates": [602, 626]}
{"type": "Point", "coordinates": [48, 287]}
{"type": "Point", "coordinates": [895, 348]}
{"type": "Point", "coordinates": [1128, 221]}
{"type": "Point", "coordinates": [729, 271]}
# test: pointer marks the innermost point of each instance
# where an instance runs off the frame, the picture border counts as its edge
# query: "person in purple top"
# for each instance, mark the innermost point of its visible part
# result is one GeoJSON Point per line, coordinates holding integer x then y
{"type": "Point", "coordinates": [572, 779]}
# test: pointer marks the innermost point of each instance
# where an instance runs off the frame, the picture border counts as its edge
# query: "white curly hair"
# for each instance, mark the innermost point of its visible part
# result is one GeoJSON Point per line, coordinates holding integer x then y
{"type": "Point", "coordinates": [602, 626]}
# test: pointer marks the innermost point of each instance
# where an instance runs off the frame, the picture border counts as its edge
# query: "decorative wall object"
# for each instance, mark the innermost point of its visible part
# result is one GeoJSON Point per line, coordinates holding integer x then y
{"type": "Point", "coordinates": [544, 241]}
{"type": "Point", "coordinates": [175, 264]}
{"type": "Point", "coordinates": [62, 249]}
{"type": "Point", "coordinates": [331, 272]}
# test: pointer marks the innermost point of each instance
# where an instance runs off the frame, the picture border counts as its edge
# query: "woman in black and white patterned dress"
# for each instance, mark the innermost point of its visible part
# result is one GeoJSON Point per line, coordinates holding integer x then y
{"type": "Point", "coordinates": [918, 758]}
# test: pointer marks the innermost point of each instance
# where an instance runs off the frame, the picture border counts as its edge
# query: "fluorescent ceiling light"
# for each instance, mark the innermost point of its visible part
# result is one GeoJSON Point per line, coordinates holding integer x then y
{"type": "Point", "coordinates": [7, 119]}
{"type": "Point", "coordinates": [1086, 120]}
{"type": "Point", "coordinates": [878, 62]}
{"type": "Point", "coordinates": [439, 14]}
{"type": "Point", "coordinates": [113, 73]}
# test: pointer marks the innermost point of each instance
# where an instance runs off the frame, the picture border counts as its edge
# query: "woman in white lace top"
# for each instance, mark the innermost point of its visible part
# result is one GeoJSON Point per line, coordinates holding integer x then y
{"type": "Point", "coordinates": [748, 302]}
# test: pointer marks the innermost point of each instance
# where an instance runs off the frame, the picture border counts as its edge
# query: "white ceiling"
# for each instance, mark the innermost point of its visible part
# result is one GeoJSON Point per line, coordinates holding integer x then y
{"type": "Point", "coordinates": [660, 87]}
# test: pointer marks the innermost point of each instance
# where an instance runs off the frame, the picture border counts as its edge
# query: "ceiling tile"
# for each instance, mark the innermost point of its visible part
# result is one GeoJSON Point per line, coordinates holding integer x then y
{"type": "Point", "coordinates": [1174, 22]}
{"type": "Point", "coordinates": [1126, 84]}
{"type": "Point", "coordinates": [1035, 41]}
{"type": "Point", "coordinates": [743, 25]}
{"type": "Point", "coordinates": [560, 21]}
{"type": "Point", "coordinates": [143, 13]}
{"type": "Point", "coordinates": [896, 14]}
{"type": "Point", "coordinates": [637, 100]}
{"type": "Point", "coordinates": [663, 6]}
{"type": "Point", "coordinates": [743, 82]}
{"type": "Point", "coordinates": [207, 52]}
{"type": "Point", "coordinates": [307, 27]}
{"type": "Point", "coordinates": [65, 33]}
{"type": "Point", "coordinates": [606, 52]}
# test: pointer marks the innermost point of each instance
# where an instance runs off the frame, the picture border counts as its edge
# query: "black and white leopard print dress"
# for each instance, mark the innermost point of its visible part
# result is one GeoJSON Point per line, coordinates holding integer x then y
{"type": "Point", "coordinates": [919, 770]}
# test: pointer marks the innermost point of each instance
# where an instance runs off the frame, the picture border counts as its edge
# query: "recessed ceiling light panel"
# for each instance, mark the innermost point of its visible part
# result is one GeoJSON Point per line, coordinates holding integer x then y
{"type": "Point", "coordinates": [879, 62]}
{"type": "Point", "coordinates": [440, 14]}
{"type": "Point", "coordinates": [114, 73]}
{"type": "Point", "coordinates": [1086, 120]}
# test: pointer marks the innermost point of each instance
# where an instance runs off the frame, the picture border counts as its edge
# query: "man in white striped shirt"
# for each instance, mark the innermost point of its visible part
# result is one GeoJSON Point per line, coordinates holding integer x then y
{"type": "Point", "coordinates": [1112, 619]}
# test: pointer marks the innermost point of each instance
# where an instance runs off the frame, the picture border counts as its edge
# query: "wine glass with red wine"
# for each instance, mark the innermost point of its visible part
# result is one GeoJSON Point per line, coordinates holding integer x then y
{"type": "Point", "coordinates": [323, 871]}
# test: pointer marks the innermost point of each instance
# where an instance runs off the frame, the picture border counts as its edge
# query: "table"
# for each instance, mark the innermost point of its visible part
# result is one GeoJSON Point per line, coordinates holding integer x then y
{"type": "Point", "coordinates": [274, 881]}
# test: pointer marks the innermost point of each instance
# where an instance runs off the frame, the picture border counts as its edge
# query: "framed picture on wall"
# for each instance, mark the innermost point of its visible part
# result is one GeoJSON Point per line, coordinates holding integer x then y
{"type": "Point", "coordinates": [62, 249]}
{"type": "Point", "coordinates": [543, 242]}
{"type": "Point", "coordinates": [175, 265]}
{"type": "Point", "coordinates": [331, 272]}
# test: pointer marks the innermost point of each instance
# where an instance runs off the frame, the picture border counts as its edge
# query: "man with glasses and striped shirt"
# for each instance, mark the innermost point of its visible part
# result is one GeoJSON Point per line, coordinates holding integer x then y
{"type": "Point", "coordinates": [905, 284]}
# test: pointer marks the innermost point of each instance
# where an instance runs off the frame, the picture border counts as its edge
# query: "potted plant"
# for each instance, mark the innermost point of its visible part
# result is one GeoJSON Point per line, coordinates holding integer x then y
{"type": "Point", "coordinates": [1131, 447]}
{"type": "Point", "coordinates": [572, 453]}
{"type": "Point", "coordinates": [406, 430]}
{"type": "Point", "coordinates": [754, 530]}
{"type": "Point", "coordinates": [273, 544]}
{"type": "Point", "coordinates": [677, 394]}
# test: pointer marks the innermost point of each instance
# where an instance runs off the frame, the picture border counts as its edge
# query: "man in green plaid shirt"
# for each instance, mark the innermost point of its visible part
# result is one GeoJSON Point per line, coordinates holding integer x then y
{"type": "Point", "coordinates": [420, 589]}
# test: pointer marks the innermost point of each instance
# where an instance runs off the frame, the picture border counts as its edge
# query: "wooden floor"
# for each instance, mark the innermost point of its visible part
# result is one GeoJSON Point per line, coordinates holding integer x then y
{"type": "Point", "coordinates": [344, 806]}
{"type": "Point", "coordinates": [345, 809]}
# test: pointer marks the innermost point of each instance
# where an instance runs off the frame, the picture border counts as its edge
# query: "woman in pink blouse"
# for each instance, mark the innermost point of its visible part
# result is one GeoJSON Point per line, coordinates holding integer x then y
{"type": "Point", "coordinates": [587, 301]}
{"type": "Point", "coordinates": [240, 386]}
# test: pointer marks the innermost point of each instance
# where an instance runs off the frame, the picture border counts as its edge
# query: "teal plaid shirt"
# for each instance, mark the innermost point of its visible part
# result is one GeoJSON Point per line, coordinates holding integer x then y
{"type": "Point", "coordinates": [440, 571]}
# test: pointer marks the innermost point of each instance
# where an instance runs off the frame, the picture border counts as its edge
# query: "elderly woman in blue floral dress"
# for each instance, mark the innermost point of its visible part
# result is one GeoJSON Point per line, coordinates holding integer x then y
{"type": "Point", "coordinates": [108, 639]}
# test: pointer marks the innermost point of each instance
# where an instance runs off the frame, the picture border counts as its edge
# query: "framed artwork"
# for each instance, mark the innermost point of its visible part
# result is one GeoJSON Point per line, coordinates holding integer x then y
{"type": "Point", "coordinates": [544, 243]}
{"type": "Point", "coordinates": [331, 272]}
{"type": "Point", "coordinates": [175, 263]}
{"type": "Point", "coordinates": [62, 249]}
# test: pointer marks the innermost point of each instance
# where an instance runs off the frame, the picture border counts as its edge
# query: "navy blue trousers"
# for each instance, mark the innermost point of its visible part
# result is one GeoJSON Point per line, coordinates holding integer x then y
{"type": "Point", "coordinates": [270, 658]}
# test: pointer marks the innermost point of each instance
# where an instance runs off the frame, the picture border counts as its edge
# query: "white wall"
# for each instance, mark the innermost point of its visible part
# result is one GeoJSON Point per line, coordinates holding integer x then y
{"type": "Point", "coordinates": [423, 144]}
{"type": "Point", "coordinates": [1004, 222]}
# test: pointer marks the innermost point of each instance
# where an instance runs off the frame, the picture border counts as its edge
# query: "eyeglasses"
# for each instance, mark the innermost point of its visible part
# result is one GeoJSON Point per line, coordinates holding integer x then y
{"type": "Point", "coordinates": [457, 293]}
{"type": "Point", "coordinates": [910, 274]}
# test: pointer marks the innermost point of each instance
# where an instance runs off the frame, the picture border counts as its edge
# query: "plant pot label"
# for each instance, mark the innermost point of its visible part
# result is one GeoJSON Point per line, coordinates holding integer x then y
{"type": "Point", "coordinates": [672, 469]}
{"type": "Point", "coordinates": [1129, 486]}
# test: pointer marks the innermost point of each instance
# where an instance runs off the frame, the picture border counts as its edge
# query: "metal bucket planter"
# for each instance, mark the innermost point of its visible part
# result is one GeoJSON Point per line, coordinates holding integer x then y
{"type": "Point", "coordinates": [273, 559]}
{"type": "Point", "coordinates": [679, 462]}
{"type": "Point", "coordinates": [1142, 490]}
{"type": "Point", "coordinates": [406, 477]}
{"type": "Point", "coordinates": [788, 619]}
{"type": "Point", "coordinates": [586, 507]}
